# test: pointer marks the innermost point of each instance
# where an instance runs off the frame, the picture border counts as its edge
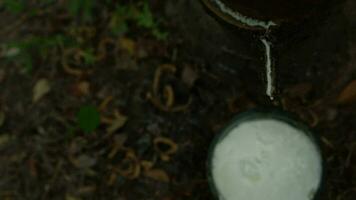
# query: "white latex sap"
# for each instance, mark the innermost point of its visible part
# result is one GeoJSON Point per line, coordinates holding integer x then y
{"type": "Point", "coordinates": [266, 159]}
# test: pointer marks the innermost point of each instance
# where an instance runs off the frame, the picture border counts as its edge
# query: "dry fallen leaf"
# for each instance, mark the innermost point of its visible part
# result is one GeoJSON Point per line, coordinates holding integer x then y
{"type": "Point", "coordinates": [119, 141]}
{"type": "Point", "coordinates": [146, 165]}
{"type": "Point", "coordinates": [327, 143]}
{"type": "Point", "coordinates": [189, 76]}
{"type": "Point", "coordinates": [118, 122]}
{"type": "Point", "coordinates": [130, 167]}
{"type": "Point", "coordinates": [70, 197]}
{"type": "Point", "coordinates": [348, 94]}
{"type": "Point", "coordinates": [70, 55]}
{"type": "Point", "coordinates": [32, 165]}
{"type": "Point", "coordinates": [104, 104]}
{"type": "Point", "coordinates": [2, 75]}
{"type": "Point", "coordinates": [10, 52]}
{"type": "Point", "coordinates": [157, 174]}
{"type": "Point", "coordinates": [165, 147]}
{"type": "Point", "coordinates": [300, 90]}
{"type": "Point", "coordinates": [112, 178]}
{"type": "Point", "coordinates": [85, 190]}
{"type": "Point", "coordinates": [83, 161]}
{"type": "Point", "coordinates": [41, 88]}
{"type": "Point", "coordinates": [2, 118]}
{"type": "Point", "coordinates": [4, 139]}
{"type": "Point", "coordinates": [128, 45]}
{"type": "Point", "coordinates": [158, 73]}
{"type": "Point", "coordinates": [105, 46]}
{"type": "Point", "coordinates": [83, 88]}
{"type": "Point", "coordinates": [18, 157]}
{"type": "Point", "coordinates": [168, 93]}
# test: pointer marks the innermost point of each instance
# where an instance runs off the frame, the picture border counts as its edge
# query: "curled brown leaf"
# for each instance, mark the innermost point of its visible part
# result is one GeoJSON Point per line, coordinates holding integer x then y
{"type": "Point", "coordinates": [168, 92]}
{"type": "Point", "coordinates": [105, 45]}
{"type": "Point", "coordinates": [348, 94]}
{"type": "Point", "coordinates": [129, 167]}
{"type": "Point", "coordinates": [73, 57]}
{"type": "Point", "coordinates": [127, 45]}
{"type": "Point", "coordinates": [157, 174]}
{"type": "Point", "coordinates": [165, 147]}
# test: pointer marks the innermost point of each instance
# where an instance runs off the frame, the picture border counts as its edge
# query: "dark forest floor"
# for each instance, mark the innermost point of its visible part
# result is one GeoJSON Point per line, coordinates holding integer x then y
{"type": "Point", "coordinates": [164, 77]}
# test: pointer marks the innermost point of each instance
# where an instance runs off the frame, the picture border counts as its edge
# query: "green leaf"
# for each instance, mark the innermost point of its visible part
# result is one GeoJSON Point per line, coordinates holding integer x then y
{"type": "Point", "coordinates": [119, 28]}
{"type": "Point", "coordinates": [145, 18]}
{"type": "Point", "coordinates": [159, 35]}
{"type": "Point", "coordinates": [71, 131]}
{"type": "Point", "coordinates": [81, 8]}
{"type": "Point", "coordinates": [26, 62]}
{"type": "Point", "coordinates": [89, 56]}
{"type": "Point", "coordinates": [88, 118]}
{"type": "Point", "coordinates": [14, 6]}
{"type": "Point", "coordinates": [121, 16]}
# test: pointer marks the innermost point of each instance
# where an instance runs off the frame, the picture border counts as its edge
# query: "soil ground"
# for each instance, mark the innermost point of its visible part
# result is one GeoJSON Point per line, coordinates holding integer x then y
{"type": "Point", "coordinates": [161, 102]}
